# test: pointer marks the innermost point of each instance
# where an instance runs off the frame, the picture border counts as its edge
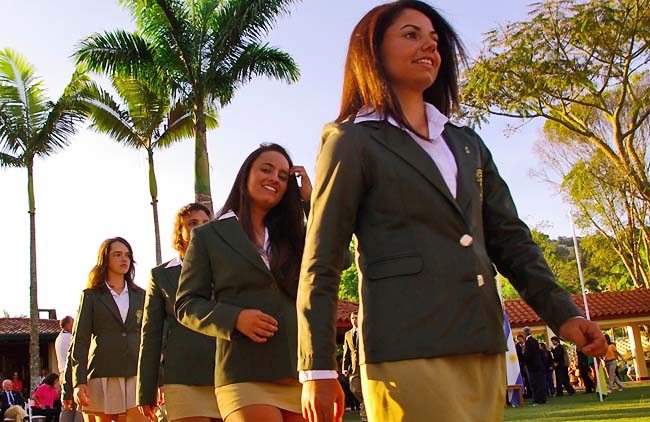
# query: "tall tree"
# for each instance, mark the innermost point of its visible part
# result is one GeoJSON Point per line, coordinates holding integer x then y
{"type": "Point", "coordinates": [210, 48]}
{"type": "Point", "coordinates": [570, 61]}
{"type": "Point", "coordinates": [146, 118]}
{"type": "Point", "coordinates": [31, 127]}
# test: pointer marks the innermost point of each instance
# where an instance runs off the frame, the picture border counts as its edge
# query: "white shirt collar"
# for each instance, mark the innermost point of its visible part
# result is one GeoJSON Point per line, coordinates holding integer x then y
{"type": "Point", "coordinates": [125, 291]}
{"type": "Point", "coordinates": [435, 119]}
{"type": "Point", "coordinates": [177, 261]}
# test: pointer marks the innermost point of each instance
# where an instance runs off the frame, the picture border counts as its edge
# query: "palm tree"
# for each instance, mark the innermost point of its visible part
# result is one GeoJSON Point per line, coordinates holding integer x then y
{"type": "Point", "coordinates": [31, 126]}
{"type": "Point", "coordinates": [209, 47]}
{"type": "Point", "coordinates": [146, 119]}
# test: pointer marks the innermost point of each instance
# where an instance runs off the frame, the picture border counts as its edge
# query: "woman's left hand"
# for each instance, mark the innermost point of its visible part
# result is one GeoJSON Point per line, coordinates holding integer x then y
{"type": "Point", "coordinates": [305, 182]}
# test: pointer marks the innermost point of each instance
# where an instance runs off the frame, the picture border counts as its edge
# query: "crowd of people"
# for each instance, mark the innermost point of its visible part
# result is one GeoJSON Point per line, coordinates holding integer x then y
{"type": "Point", "coordinates": [550, 373]}
{"type": "Point", "coordinates": [240, 326]}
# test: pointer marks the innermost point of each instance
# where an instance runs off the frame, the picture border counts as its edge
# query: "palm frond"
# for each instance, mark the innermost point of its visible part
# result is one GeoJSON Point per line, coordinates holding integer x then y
{"type": "Point", "coordinates": [256, 60]}
{"type": "Point", "coordinates": [7, 160]}
{"type": "Point", "coordinates": [114, 52]}
{"type": "Point", "coordinates": [108, 117]}
{"type": "Point", "coordinates": [180, 124]}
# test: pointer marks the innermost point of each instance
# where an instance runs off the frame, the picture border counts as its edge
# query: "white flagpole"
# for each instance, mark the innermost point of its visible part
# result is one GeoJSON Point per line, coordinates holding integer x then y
{"type": "Point", "coordinates": [584, 295]}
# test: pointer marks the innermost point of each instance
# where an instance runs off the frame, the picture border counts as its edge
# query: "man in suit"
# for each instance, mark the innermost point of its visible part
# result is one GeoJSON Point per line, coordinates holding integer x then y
{"type": "Point", "coordinates": [62, 343]}
{"type": "Point", "coordinates": [561, 367]}
{"type": "Point", "coordinates": [535, 368]}
{"type": "Point", "coordinates": [12, 403]}
{"type": "Point", "coordinates": [522, 363]}
{"type": "Point", "coordinates": [351, 362]}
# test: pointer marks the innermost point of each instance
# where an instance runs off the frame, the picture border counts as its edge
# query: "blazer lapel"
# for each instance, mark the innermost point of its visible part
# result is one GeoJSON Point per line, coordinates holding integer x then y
{"type": "Point", "coordinates": [400, 143]}
{"type": "Point", "coordinates": [106, 298]}
{"type": "Point", "coordinates": [133, 308]}
{"type": "Point", "coordinates": [466, 165]}
{"type": "Point", "coordinates": [232, 233]}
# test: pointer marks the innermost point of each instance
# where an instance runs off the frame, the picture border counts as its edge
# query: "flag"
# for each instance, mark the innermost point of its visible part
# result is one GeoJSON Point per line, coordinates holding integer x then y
{"type": "Point", "coordinates": [601, 379]}
{"type": "Point", "coordinates": [513, 370]}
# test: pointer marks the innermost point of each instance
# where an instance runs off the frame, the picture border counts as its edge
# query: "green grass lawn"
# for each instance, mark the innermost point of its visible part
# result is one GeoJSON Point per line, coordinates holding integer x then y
{"type": "Point", "coordinates": [631, 405]}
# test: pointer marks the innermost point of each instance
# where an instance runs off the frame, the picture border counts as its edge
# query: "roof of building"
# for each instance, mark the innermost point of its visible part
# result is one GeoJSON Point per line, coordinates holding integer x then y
{"type": "Point", "coordinates": [17, 328]}
{"type": "Point", "coordinates": [602, 306]}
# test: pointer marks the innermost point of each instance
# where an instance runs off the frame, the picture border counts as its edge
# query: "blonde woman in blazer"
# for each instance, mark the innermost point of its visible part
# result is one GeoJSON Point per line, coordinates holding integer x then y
{"type": "Point", "coordinates": [432, 217]}
{"type": "Point", "coordinates": [106, 340]}
{"type": "Point", "coordinates": [187, 370]}
{"type": "Point", "coordinates": [238, 284]}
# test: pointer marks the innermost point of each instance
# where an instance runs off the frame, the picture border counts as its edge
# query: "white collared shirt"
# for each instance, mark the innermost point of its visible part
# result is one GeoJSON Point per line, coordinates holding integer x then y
{"type": "Point", "coordinates": [121, 300]}
{"type": "Point", "coordinates": [61, 346]}
{"type": "Point", "coordinates": [437, 149]}
{"type": "Point", "coordinates": [176, 262]}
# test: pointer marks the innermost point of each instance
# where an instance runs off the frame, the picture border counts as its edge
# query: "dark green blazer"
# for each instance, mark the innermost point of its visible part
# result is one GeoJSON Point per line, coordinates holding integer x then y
{"type": "Point", "coordinates": [188, 355]}
{"type": "Point", "coordinates": [102, 345]}
{"type": "Point", "coordinates": [425, 258]}
{"type": "Point", "coordinates": [222, 275]}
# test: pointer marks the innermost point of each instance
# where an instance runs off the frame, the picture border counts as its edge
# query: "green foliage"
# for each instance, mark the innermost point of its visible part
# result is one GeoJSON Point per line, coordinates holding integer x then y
{"type": "Point", "coordinates": [349, 287]}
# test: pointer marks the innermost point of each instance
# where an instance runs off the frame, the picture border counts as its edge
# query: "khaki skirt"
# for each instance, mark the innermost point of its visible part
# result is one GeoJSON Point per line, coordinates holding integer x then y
{"type": "Point", "coordinates": [188, 401]}
{"type": "Point", "coordinates": [284, 395]}
{"type": "Point", "coordinates": [110, 396]}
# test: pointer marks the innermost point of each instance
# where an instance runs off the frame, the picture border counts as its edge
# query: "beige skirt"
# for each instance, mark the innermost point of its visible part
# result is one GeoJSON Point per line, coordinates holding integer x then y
{"type": "Point", "coordinates": [463, 388]}
{"type": "Point", "coordinates": [283, 395]}
{"type": "Point", "coordinates": [110, 396]}
{"type": "Point", "coordinates": [188, 401]}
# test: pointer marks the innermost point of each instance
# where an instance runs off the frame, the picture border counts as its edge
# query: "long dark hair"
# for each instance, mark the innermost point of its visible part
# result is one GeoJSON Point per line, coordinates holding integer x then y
{"type": "Point", "coordinates": [365, 84]}
{"type": "Point", "coordinates": [285, 221]}
{"type": "Point", "coordinates": [97, 276]}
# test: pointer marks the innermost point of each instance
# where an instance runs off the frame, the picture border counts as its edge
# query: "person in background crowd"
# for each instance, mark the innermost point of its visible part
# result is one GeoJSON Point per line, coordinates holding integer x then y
{"type": "Point", "coordinates": [350, 367]}
{"type": "Point", "coordinates": [585, 371]}
{"type": "Point", "coordinates": [16, 382]}
{"type": "Point", "coordinates": [547, 359]}
{"type": "Point", "coordinates": [519, 346]}
{"type": "Point", "coordinates": [239, 282]}
{"type": "Point", "coordinates": [611, 359]}
{"type": "Point", "coordinates": [106, 340]}
{"type": "Point", "coordinates": [12, 403]}
{"type": "Point", "coordinates": [46, 399]}
{"type": "Point", "coordinates": [62, 343]}
{"type": "Point", "coordinates": [432, 219]}
{"type": "Point", "coordinates": [187, 371]}
{"type": "Point", "coordinates": [561, 363]}
{"type": "Point", "coordinates": [535, 368]}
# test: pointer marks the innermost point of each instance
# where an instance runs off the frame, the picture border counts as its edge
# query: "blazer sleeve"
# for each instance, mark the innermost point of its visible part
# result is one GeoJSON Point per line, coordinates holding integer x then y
{"type": "Point", "coordinates": [338, 189]}
{"type": "Point", "coordinates": [153, 323]}
{"type": "Point", "coordinates": [347, 358]}
{"type": "Point", "coordinates": [515, 254]}
{"type": "Point", "coordinates": [194, 306]}
{"type": "Point", "coordinates": [81, 341]}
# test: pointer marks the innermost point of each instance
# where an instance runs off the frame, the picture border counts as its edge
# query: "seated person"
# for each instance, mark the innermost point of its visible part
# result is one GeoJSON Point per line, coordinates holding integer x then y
{"type": "Point", "coordinates": [46, 399]}
{"type": "Point", "coordinates": [12, 403]}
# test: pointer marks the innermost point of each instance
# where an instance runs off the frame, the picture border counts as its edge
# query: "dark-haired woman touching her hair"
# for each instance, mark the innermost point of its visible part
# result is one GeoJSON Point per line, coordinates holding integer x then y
{"type": "Point", "coordinates": [239, 281]}
{"type": "Point", "coordinates": [431, 216]}
{"type": "Point", "coordinates": [104, 350]}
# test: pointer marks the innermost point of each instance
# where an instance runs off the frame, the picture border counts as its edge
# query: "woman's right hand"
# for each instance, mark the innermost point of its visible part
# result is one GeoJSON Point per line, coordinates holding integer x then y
{"type": "Point", "coordinates": [256, 325]}
{"type": "Point", "coordinates": [81, 395]}
{"type": "Point", "coordinates": [147, 411]}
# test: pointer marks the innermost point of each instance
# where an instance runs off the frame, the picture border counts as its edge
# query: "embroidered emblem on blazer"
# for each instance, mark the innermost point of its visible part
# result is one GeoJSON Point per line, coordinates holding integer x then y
{"type": "Point", "coordinates": [138, 317]}
{"type": "Point", "coordinates": [479, 180]}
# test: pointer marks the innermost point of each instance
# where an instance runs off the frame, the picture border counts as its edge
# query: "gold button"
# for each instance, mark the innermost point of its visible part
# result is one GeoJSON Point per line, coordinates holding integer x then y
{"type": "Point", "coordinates": [466, 240]}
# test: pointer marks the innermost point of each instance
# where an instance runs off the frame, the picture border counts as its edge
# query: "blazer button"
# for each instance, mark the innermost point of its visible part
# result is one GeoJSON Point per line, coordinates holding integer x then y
{"type": "Point", "coordinates": [123, 334]}
{"type": "Point", "coordinates": [466, 240]}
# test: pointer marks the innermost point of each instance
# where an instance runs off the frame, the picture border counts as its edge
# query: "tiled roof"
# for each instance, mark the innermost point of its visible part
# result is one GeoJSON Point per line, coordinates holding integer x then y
{"type": "Point", "coordinates": [343, 311]}
{"type": "Point", "coordinates": [602, 306]}
{"type": "Point", "coordinates": [20, 327]}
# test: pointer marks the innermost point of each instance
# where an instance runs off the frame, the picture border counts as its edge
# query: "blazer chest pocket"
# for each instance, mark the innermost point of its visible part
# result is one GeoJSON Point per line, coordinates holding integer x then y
{"type": "Point", "coordinates": [395, 266]}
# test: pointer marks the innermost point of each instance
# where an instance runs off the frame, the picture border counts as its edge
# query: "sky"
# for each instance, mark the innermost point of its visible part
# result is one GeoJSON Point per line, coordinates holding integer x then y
{"type": "Point", "coordinates": [95, 188]}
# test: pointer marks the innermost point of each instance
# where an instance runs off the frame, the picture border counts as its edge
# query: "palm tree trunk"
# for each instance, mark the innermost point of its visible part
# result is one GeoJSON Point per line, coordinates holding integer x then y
{"type": "Point", "coordinates": [202, 192]}
{"type": "Point", "coordinates": [34, 353]}
{"type": "Point", "coordinates": [153, 190]}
